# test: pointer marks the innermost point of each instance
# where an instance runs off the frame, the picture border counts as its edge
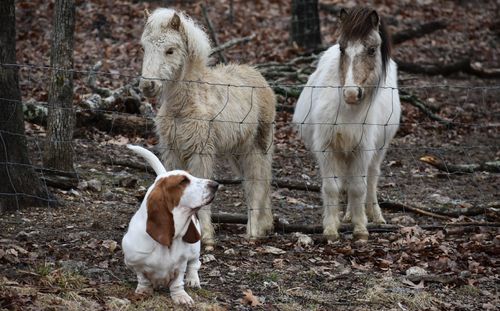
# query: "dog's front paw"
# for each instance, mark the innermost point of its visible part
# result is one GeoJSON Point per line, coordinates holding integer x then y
{"type": "Point", "coordinates": [182, 298]}
{"type": "Point", "coordinates": [192, 280]}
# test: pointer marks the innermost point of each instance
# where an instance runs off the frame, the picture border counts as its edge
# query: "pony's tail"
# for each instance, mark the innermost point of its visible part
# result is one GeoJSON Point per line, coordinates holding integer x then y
{"type": "Point", "coordinates": [150, 158]}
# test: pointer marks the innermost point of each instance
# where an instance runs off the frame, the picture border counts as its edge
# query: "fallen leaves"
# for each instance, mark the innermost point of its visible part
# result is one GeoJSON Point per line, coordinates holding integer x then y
{"type": "Point", "coordinates": [250, 299]}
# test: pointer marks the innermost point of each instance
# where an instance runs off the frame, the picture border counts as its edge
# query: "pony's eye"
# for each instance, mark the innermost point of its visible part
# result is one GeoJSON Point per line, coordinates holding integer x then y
{"type": "Point", "coordinates": [169, 51]}
{"type": "Point", "coordinates": [342, 50]}
{"type": "Point", "coordinates": [371, 51]}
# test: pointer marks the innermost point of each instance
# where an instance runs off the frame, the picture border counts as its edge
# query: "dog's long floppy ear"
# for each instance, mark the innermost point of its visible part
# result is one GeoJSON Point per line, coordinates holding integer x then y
{"type": "Point", "coordinates": [161, 201]}
{"type": "Point", "coordinates": [192, 235]}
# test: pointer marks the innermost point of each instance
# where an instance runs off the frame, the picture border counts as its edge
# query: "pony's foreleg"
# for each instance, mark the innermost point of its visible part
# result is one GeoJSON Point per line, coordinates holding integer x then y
{"type": "Point", "coordinates": [373, 211]}
{"type": "Point", "coordinates": [356, 195]}
{"type": "Point", "coordinates": [330, 191]}
{"type": "Point", "coordinates": [257, 171]}
{"type": "Point", "coordinates": [201, 165]}
{"type": "Point", "coordinates": [170, 159]}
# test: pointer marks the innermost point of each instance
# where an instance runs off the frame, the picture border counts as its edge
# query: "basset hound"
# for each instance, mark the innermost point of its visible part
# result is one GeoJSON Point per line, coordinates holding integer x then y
{"type": "Point", "coordinates": [162, 243]}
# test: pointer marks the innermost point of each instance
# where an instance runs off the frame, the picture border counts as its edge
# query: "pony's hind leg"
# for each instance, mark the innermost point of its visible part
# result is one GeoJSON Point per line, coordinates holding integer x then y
{"type": "Point", "coordinates": [257, 171]}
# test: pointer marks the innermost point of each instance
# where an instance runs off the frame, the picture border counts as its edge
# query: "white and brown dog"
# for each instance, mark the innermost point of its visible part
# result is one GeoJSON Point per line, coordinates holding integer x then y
{"type": "Point", "coordinates": [163, 238]}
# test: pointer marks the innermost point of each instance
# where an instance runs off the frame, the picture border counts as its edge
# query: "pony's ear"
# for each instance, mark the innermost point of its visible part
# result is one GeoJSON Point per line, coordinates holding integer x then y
{"type": "Point", "coordinates": [146, 14]}
{"type": "Point", "coordinates": [160, 223]}
{"type": "Point", "coordinates": [192, 235]}
{"type": "Point", "coordinates": [343, 15]}
{"type": "Point", "coordinates": [175, 22]}
{"type": "Point", "coordinates": [374, 19]}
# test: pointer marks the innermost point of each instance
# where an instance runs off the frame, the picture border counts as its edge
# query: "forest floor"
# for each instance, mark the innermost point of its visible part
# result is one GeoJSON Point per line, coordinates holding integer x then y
{"type": "Point", "coordinates": [69, 257]}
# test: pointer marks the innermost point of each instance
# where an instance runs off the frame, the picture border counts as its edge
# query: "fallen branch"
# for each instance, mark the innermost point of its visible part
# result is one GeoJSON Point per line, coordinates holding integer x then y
{"type": "Point", "coordinates": [463, 65]}
{"type": "Point", "coordinates": [104, 98]}
{"type": "Point", "coordinates": [231, 43]}
{"type": "Point", "coordinates": [213, 34]}
{"type": "Point", "coordinates": [282, 226]}
{"type": "Point", "coordinates": [403, 208]}
{"type": "Point", "coordinates": [436, 278]}
{"type": "Point", "coordinates": [58, 179]}
{"type": "Point", "coordinates": [492, 167]}
{"type": "Point", "coordinates": [417, 31]}
{"type": "Point", "coordinates": [104, 121]}
{"type": "Point", "coordinates": [279, 183]}
{"type": "Point", "coordinates": [416, 102]}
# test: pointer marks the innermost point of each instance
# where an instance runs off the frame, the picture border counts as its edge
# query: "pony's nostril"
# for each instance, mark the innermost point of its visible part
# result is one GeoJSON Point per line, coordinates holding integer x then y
{"type": "Point", "coordinates": [360, 93]}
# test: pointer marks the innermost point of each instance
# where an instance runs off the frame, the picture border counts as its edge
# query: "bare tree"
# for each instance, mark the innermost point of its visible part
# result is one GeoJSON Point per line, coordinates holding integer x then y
{"type": "Point", "coordinates": [19, 183]}
{"type": "Point", "coordinates": [58, 153]}
{"type": "Point", "coordinates": [306, 30]}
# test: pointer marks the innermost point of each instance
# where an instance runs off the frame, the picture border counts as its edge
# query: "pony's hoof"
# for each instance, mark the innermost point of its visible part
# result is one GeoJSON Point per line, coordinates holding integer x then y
{"type": "Point", "coordinates": [361, 235]}
{"type": "Point", "coordinates": [331, 235]}
{"type": "Point", "coordinates": [208, 244]}
{"type": "Point", "coordinates": [379, 220]}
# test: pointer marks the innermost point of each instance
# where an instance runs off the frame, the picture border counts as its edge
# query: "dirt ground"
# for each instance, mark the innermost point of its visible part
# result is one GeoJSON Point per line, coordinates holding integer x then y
{"type": "Point", "coordinates": [69, 257]}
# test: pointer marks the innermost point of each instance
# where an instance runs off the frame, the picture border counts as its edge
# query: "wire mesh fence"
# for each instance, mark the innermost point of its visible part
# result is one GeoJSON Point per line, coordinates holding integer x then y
{"type": "Point", "coordinates": [469, 141]}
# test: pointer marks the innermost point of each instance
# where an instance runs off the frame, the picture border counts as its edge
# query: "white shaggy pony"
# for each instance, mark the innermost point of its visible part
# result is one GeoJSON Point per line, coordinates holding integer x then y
{"type": "Point", "coordinates": [207, 112]}
{"type": "Point", "coordinates": [347, 115]}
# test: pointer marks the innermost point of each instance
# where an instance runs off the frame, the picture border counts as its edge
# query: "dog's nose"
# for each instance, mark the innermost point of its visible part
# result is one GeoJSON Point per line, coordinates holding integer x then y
{"type": "Point", "coordinates": [213, 185]}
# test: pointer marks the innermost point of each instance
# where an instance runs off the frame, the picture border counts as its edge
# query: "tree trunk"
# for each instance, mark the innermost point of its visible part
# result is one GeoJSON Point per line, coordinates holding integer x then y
{"type": "Point", "coordinates": [19, 184]}
{"type": "Point", "coordinates": [58, 154]}
{"type": "Point", "coordinates": [306, 30]}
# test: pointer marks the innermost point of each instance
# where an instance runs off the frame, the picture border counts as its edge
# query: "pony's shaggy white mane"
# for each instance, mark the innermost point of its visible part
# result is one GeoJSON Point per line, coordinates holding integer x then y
{"type": "Point", "coordinates": [198, 43]}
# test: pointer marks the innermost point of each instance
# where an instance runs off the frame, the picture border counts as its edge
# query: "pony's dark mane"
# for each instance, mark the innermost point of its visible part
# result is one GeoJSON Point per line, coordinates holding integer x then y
{"type": "Point", "coordinates": [358, 24]}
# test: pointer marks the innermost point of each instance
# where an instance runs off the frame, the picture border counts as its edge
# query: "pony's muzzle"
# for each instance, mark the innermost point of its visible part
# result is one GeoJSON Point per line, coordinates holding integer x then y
{"type": "Point", "coordinates": [149, 88]}
{"type": "Point", "coordinates": [352, 94]}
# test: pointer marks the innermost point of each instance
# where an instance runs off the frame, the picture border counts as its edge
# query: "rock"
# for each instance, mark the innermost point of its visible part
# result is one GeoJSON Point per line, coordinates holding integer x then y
{"type": "Point", "coordinates": [229, 251]}
{"type": "Point", "coordinates": [114, 303]}
{"type": "Point", "coordinates": [271, 250]}
{"type": "Point", "coordinates": [440, 199]}
{"type": "Point", "coordinates": [72, 265]}
{"type": "Point", "coordinates": [403, 220]}
{"type": "Point", "coordinates": [415, 271]}
{"type": "Point", "coordinates": [303, 240]}
{"type": "Point", "coordinates": [127, 180]}
{"type": "Point", "coordinates": [94, 185]}
{"type": "Point", "coordinates": [108, 195]}
{"type": "Point", "coordinates": [207, 258]}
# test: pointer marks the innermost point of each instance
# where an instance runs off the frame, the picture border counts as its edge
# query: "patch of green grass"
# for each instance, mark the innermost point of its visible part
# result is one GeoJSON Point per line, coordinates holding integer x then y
{"type": "Point", "coordinates": [468, 290]}
{"type": "Point", "coordinates": [64, 279]}
{"type": "Point", "coordinates": [201, 292]}
{"type": "Point", "coordinates": [43, 269]}
{"type": "Point", "coordinates": [388, 292]}
{"type": "Point", "coordinates": [273, 276]}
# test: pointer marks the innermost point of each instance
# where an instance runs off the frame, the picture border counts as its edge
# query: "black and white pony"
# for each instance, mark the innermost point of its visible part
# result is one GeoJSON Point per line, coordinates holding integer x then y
{"type": "Point", "coordinates": [347, 115]}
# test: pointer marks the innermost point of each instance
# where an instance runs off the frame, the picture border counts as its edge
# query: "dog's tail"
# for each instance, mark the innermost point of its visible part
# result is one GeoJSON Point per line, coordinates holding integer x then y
{"type": "Point", "coordinates": [150, 157]}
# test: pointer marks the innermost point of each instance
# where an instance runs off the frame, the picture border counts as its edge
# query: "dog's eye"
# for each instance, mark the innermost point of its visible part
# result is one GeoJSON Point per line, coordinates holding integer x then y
{"type": "Point", "coordinates": [169, 51]}
{"type": "Point", "coordinates": [371, 51]}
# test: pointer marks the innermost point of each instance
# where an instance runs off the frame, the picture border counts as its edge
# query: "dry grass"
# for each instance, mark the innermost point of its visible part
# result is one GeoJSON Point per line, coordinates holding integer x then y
{"type": "Point", "coordinates": [389, 292]}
